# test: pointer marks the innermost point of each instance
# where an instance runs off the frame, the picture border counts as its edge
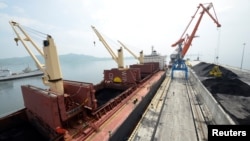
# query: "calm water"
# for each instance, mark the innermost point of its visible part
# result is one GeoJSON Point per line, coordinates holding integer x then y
{"type": "Point", "coordinates": [10, 91]}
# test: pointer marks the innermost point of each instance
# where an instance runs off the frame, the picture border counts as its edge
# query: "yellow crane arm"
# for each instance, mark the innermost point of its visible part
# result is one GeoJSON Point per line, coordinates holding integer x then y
{"type": "Point", "coordinates": [15, 26]}
{"type": "Point", "coordinates": [140, 58]}
{"type": "Point", "coordinates": [118, 59]}
{"type": "Point", "coordinates": [52, 70]}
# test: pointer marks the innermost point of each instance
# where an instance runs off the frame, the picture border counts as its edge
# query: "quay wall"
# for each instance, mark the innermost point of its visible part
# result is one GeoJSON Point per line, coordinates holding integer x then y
{"type": "Point", "coordinates": [219, 116]}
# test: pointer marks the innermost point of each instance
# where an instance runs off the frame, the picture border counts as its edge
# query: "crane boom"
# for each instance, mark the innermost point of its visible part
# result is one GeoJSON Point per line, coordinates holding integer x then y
{"type": "Point", "coordinates": [27, 38]}
{"type": "Point", "coordinates": [52, 71]}
{"type": "Point", "coordinates": [189, 39]}
{"type": "Point", "coordinates": [118, 59]}
{"type": "Point", "coordinates": [177, 62]}
{"type": "Point", "coordinates": [140, 58]}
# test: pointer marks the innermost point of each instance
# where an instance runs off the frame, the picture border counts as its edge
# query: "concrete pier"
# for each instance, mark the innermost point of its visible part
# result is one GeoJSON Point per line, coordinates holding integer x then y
{"type": "Point", "coordinates": [178, 114]}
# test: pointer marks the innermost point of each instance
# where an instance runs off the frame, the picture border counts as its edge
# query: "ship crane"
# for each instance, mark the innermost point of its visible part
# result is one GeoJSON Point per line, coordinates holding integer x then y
{"type": "Point", "coordinates": [185, 41]}
{"type": "Point", "coordinates": [140, 58]}
{"type": "Point", "coordinates": [118, 59]}
{"type": "Point", "coordinates": [52, 72]}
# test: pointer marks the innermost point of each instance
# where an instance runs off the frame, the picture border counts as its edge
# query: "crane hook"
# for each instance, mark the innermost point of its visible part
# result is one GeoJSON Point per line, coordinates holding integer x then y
{"type": "Point", "coordinates": [16, 40]}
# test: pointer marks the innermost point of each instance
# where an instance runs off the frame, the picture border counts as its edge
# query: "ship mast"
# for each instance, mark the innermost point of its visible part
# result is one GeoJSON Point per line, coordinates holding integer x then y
{"type": "Point", "coordinates": [52, 71]}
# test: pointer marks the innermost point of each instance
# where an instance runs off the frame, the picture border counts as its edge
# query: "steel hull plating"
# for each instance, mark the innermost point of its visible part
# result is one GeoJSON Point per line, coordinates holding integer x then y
{"type": "Point", "coordinates": [105, 111]}
{"type": "Point", "coordinates": [125, 129]}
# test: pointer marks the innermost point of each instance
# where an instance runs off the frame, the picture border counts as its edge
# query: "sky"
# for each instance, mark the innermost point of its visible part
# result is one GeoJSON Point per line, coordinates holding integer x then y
{"type": "Point", "coordinates": [139, 24]}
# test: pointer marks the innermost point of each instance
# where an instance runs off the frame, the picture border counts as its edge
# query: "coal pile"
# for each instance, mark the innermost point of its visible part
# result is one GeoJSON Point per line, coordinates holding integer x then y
{"type": "Point", "coordinates": [232, 93]}
{"type": "Point", "coordinates": [227, 86]}
{"type": "Point", "coordinates": [202, 69]}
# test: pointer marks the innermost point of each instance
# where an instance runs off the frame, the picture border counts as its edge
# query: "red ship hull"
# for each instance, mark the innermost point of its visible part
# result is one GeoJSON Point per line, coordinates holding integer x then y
{"type": "Point", "coordinates": [106, 111]}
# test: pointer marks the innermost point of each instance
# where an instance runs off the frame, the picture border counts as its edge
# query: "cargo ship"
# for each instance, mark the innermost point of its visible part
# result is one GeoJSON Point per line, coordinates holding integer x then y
{"type": "Point", "coordinates": [77, 111]}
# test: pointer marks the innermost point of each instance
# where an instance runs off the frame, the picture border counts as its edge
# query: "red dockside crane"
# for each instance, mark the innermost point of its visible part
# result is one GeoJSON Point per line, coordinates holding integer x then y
{"type": "Point", "coordinates": [185, 40]}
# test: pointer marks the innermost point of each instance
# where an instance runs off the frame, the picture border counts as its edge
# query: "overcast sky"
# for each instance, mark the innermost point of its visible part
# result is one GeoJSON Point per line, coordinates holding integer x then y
{"type": "Point", "coordinates": [139, 24]}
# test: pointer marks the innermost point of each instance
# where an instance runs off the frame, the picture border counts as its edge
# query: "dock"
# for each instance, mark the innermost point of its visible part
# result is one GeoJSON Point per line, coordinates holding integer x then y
{"type": "Point", "coordinates": [181, 110]}
{"type": "Point", "coordinates": [22, 75]}
{"type": "Point", "coordinates": [172, 114]}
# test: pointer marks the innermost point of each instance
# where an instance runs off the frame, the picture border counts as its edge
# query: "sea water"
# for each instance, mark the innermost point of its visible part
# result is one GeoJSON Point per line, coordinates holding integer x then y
{"type": "Point", "coordinates": [11, 98]}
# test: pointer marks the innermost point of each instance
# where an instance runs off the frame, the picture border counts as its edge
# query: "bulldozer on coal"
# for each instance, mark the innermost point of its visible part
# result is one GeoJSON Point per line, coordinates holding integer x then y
{"type": "Point", "coordinates": [215, 71]}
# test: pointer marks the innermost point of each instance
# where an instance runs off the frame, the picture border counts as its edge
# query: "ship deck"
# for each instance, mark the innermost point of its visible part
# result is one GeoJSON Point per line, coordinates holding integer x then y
{"type": "Point", "coordinates": [113, 123]}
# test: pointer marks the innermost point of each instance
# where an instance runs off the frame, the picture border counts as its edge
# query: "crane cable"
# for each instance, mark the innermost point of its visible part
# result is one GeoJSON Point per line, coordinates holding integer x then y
{"type": "Point", "coordinates": [34, 31]}
{"type": "Point", "coordinates": [217, 48]}
{"type": "Point", "coordinates": [35, 34]}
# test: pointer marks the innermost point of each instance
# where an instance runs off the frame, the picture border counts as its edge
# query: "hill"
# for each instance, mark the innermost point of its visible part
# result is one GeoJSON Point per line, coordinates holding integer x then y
{"type": "Point", "coordinates": [63, 58]}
